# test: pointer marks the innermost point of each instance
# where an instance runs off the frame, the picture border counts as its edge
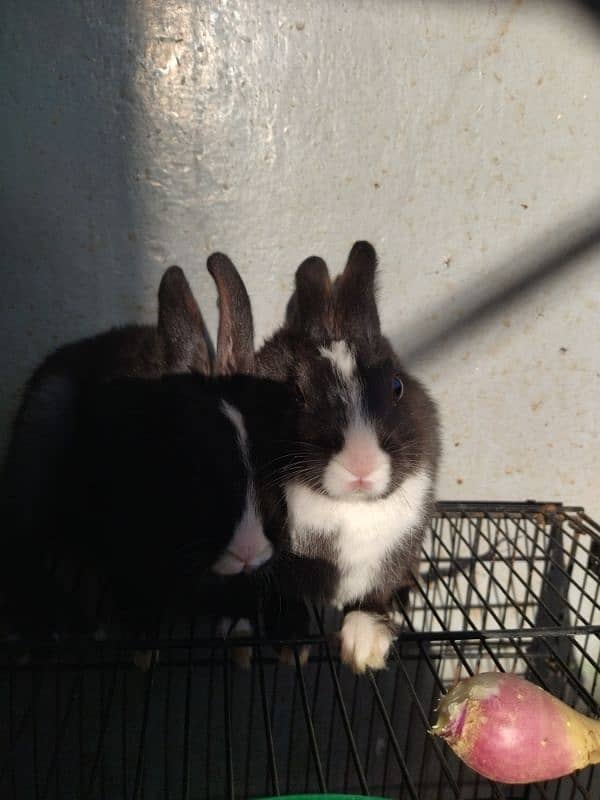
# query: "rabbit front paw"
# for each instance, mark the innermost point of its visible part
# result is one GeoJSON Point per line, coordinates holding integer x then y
{"type": "Point", "coordinates": [365, 641]}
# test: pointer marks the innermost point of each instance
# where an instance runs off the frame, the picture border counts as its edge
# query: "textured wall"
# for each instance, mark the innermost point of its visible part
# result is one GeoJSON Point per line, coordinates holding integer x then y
{"type": "Point", "coordinates": [461, 138]}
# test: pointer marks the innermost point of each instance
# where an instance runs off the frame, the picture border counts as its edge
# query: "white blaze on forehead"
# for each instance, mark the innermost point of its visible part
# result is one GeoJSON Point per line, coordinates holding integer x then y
{"type": "Point", "coordinates": [343, 363]}
{"type": "Point", "coordinates": [248, 547]}
{"type": "Point", "coordinates": [342, 359]}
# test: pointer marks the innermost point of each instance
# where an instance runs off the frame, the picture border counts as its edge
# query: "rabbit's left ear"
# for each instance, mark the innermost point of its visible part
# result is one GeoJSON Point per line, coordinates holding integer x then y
{"type": "Point", "coordinates": [355, 304]}
{"type": "Point", "coordinates": [181, 325]}
{"type": "Point", "coordinates": [235, 338]}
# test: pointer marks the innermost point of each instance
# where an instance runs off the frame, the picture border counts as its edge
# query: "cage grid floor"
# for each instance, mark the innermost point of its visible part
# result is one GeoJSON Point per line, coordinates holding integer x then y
{"type": "Point", "coordinates": [501, 586]}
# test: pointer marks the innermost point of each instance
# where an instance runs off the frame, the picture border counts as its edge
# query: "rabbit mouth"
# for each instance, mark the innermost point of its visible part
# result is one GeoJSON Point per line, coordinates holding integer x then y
{"type": "Point", "coordinates": [350, 482]}
{"type": "Point", "coordinates": [233, 563]}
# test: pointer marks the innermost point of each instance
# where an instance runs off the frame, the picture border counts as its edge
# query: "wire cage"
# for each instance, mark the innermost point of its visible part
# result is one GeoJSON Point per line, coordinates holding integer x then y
{"type": "Point", "coordinates": [501, 586]}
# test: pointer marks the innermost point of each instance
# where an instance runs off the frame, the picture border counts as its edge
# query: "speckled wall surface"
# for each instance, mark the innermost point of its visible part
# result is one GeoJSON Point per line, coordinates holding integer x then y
{"type": "Point", "coordinates": [461, 138]}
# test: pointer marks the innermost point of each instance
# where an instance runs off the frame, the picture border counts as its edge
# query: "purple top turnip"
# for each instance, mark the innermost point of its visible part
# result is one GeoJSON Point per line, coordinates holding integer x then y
{"type": "Point", "coordinates": [512, 731]}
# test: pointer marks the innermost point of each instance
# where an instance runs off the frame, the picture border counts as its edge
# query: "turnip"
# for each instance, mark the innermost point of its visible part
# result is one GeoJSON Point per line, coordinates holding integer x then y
{"type": "Point", "coordinates": [512, 731]}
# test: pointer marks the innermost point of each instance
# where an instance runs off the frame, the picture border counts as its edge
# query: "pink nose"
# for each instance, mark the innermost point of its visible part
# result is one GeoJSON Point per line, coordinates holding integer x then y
{"type": "Point", "coordinates": [362, 469]}
{"type": "Point", "coordinates": [359, 463]}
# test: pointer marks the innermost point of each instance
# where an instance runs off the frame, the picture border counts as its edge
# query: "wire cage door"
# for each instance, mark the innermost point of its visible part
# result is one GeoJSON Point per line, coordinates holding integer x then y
{"type": "Point", "coordinates": [501, 587]}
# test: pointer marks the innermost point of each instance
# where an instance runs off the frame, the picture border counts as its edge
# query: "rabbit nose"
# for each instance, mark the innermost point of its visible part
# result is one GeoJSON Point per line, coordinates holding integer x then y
{"type": "Point", "coordinates": [248, 549]}
{"type": "Point", "coordinates": [261, 558]}
{"type": "Point", "coordinates": [359, 465]}
{"type": "Point", "coordinates": [362, 469]}
{"type": "Point", "coordinates": [232, 562]}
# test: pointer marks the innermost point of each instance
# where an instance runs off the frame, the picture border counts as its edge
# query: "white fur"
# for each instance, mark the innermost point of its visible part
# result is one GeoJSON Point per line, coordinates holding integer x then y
{"type": "Point", "coordinates": [249, 548]}
{"type": "Point", "coordinates": [365, 641]}
{"type": "Point", "coordinates": [363, 531]}
{"type": "Point", "coordinates": [342, 359]}
{"type": "Point", "coordinates": [343, 363]}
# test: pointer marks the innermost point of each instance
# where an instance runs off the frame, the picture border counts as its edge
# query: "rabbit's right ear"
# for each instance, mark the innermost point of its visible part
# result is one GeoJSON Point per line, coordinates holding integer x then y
{"type": "Point", "coordinates": [235, 338]}
{"type": "Point", "coordinates": [181, 325]}
{"type": "Point", "coordinates": [309, 310]}
{"type": "Point", "coordinates": [356, 314]}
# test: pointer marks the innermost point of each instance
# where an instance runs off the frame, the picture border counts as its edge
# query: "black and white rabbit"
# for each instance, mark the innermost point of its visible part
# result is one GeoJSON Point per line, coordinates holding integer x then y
{"type": "Point", "coordinates": [158, 490]}
{"type": "Point", "coordinates": [360, 474]}
{"type": "Point", "coordinates": [43, 433]}
{"type": "Point", "coordinates": [172, 461]}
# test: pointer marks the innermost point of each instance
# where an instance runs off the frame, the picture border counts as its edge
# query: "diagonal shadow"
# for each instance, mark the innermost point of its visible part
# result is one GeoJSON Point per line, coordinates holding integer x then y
{"type": "Point", "coordinates": [515, 280]}
{"type": "Point", "coordinates": [591, 6]}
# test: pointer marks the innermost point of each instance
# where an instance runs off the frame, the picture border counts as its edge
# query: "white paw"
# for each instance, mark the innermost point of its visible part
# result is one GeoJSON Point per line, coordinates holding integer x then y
{"type": "Point", "coordinates": [241, 656]}
{"type": "Point", "coordinates": [365, 641]}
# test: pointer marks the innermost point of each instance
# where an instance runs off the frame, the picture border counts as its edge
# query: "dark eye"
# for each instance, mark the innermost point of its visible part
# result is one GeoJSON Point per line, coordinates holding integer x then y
{"type": "Point", "coordinates": [397, 387]}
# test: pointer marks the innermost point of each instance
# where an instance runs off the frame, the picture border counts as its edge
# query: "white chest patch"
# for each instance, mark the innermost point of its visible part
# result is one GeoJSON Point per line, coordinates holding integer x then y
{"type": "Point", "coordinates": [363, 532]}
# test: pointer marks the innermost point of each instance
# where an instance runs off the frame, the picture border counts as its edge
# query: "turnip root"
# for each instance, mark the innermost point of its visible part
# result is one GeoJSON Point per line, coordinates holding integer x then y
{"type": "Point", "coordinates": [512, 731]}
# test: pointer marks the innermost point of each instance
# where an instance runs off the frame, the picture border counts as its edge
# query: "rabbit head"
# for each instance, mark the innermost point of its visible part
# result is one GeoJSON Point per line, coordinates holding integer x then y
{"type": "Point", "coordinates": [363, 423]}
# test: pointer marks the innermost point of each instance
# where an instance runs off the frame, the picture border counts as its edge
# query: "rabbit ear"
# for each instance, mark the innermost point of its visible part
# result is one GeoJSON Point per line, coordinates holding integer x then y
{"type": "Point", "coordinates": [309, 308]}
{"type": "Point", "coordinates": [356, 313]}
{"type": "Point", "coordinates": [235, 338]}
{"type": "Point", "coordinates": [181, 325]}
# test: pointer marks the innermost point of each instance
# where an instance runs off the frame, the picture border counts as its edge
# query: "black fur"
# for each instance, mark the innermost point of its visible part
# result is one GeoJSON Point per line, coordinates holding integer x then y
{"type": "Point", "coordinates": [149, 496]}
{"type": "Point", "coordinates": [136, 484]}
{"type": "Point", "coordinates": [34, 475]}
{"type": "Point", "coordinates": [169, 485]}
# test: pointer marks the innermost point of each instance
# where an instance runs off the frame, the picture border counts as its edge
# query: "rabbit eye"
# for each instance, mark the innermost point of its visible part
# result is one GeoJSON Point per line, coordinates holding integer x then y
{"type": "Point", "coordinates": [397, 388]}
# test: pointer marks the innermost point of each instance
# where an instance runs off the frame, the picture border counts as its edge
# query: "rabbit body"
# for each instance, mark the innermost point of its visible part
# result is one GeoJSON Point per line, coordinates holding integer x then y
{"type": "Point", "coordinates": [359, 480]}
{"type": "Point", "coordinates": [146, 483]}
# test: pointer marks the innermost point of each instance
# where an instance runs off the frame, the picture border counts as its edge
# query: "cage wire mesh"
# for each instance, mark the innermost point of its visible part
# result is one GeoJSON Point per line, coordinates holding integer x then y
{"type": "Point", "coordinates": [501, 586]}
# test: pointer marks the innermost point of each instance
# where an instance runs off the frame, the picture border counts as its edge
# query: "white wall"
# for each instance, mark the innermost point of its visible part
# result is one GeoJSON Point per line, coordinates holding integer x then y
{"type": "Point", "coordinates": [461, 138]}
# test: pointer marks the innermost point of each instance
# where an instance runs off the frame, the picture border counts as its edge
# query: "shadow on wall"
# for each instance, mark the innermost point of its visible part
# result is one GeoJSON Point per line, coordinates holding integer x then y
{"type": "Point", "coordinates": [593, 6]}
{"type": "Point", "coordinates": [70, 264]}
{"type": "Point", "coordinates": [512, 281]}
{"type": "Point", "coordinates": [73, 146]}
